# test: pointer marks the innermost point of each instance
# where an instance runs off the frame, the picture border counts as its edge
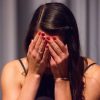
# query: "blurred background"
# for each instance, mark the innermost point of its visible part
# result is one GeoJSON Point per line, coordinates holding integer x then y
{"type": "Point", "coordinates": [15, 16]}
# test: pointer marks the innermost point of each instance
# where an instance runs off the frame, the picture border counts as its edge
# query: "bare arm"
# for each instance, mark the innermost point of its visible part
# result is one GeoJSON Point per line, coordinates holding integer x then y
{"type": "Point", "coordinates": [62, 90]}
{"type": "Point", "coordinates": [11, 89]}
{"type": "Point", "coordinates": [59, 55]}
{"type": "Point", "coordinates": [30, 87]}
{"type": "Point", "coordinates": [92, 83]}
{"type": "Point", "coordinates": [37, 57]}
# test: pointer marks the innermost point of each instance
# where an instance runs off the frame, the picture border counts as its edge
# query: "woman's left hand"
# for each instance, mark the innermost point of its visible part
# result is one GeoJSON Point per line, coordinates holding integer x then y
{"type": "Point", "coordinates": [59, 57]}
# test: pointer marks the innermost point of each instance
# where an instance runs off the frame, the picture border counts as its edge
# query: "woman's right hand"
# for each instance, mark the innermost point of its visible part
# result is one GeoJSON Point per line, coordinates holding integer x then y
{"type": "Point", "coordinates": [37, 55]}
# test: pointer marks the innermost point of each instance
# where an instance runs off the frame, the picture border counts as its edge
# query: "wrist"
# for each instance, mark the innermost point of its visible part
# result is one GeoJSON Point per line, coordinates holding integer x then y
{"type": "Point", "coordinates": [59, 80]}
{"type": "Point", "coordinates": [59, 83]}
{"type": "Point", "coordinates": [61, 75]}
{"type": "Point", "coordinates": [62, 79]}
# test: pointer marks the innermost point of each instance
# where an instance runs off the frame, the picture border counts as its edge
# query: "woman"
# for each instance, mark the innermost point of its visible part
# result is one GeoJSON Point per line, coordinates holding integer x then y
{"type": "Point", "coordinates": [53, 67]}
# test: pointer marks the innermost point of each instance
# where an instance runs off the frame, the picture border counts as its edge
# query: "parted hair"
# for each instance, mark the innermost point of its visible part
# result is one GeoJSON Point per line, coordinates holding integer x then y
{"type": "Point", "coordinates": [56, 19]}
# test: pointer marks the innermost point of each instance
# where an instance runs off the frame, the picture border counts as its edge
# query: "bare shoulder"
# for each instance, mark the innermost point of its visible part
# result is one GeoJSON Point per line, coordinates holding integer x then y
{"type": "Point", "coordinates": [93, 71]}
{"type": "Point", "coordinates": [92, 81]}
{"type": "Point", "coordinates": [10, 66]}
{"type": "Point", "coordinates": [11, 72]}
{"type": "Point", "coordinates": [11, 80]}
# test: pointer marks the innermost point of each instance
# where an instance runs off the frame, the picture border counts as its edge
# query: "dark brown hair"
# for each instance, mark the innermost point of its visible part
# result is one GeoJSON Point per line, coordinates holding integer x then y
{"type": "Point", "coordinates": [57, 19]}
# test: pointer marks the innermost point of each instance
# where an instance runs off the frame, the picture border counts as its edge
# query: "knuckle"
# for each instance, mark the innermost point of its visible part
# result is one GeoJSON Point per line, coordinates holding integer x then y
{"type": "Point", "coordinates": [57, 48]}
{"type": "Point", "coordinates": [33, 55]}
{"type": "Point", "coordinates": [38, 58]}
{"type": "Point", "coordinates": [36, 48]}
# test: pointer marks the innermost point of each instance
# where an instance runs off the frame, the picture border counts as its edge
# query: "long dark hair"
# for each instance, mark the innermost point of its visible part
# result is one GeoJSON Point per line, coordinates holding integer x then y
{"type": "Point", "coordinates": [57, 19]}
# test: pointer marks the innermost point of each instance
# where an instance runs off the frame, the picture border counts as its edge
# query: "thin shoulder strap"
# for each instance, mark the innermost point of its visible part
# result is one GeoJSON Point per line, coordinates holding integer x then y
{"type": "Point", "coordinates": [88, 67]}
{"type": "Point", "coordinates": [23, 66]}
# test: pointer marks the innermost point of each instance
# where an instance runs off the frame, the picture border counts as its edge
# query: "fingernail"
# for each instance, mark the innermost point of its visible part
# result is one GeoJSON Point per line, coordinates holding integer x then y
{"type": "Point", "coordinates": [48, 38]}
{"type": "Point", "coordinates": [54, 38]}
{"type": "Point", "coordinates": [39, 33]}
{"type": "Point", "coordinates": [43, 38]}
{"type": "Point", "coordinates": [42, 33]}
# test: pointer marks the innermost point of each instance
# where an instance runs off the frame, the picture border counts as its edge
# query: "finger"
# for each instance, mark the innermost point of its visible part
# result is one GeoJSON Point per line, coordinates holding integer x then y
{"type": "Point", "coordinates": [54, 68]}
{"type": "Point", "coordinates": [46, 55]}
{"type": "Point", "coordinates": [60, 44]}
{"type": "Point", "coordinates": [38, 41]}
{"type": "Point", "coordinates": [33, 42]}
{"type": "Point", "coordinates": [42, 45]}
{"type": "Point", "coordinates": [36, 37]}
{"type": "Point", "coordinates": [54, 46]}
{"type": "Point", "coordinates": [52, 62]}
{"type": "Point", "coordinates": [29, 53]}
{"type": "Point", "coordinates": [53, 54]}
{"type": "Point", "coordinates": [41, 48]}
{"type": "Point", "coordinates": [66, 47]}
{"type": "Point", "coordinates": [30, 47]}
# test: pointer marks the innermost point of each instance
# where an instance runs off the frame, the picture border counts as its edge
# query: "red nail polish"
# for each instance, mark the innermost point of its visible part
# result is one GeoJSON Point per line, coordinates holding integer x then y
{"type": "Point", "coordinates": [54, 38]}
{"type": "Point", "coordinates": [48, 38]}
{"type": "Point", "coordinates": [42, 33]}
{"type": "Point", "coordinates": [39, 33]}
{"type": "Point", "coordinates": [43, 38]}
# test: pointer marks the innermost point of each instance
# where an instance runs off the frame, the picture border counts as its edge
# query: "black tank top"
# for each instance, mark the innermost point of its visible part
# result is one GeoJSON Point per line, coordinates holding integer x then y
{"type": "Point", "coordinates": [88, 67]}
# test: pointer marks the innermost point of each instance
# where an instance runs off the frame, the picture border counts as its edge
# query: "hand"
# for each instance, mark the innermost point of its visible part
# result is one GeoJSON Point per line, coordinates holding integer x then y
{"type": "Point", "coordinates": [37, 55]}
{"type": "Point", "coordinates": [59, 57]}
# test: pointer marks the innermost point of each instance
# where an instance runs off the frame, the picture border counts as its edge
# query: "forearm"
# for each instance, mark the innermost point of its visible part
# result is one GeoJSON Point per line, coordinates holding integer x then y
{"type": "Point", "coordinates": [62, 90]}
{"type": "Point", "coordinates": [30, 87]}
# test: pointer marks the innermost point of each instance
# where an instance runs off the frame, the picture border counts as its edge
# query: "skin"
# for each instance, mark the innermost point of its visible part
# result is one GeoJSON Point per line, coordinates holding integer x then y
{"type": "Point", "coordinates": [17, 86]}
